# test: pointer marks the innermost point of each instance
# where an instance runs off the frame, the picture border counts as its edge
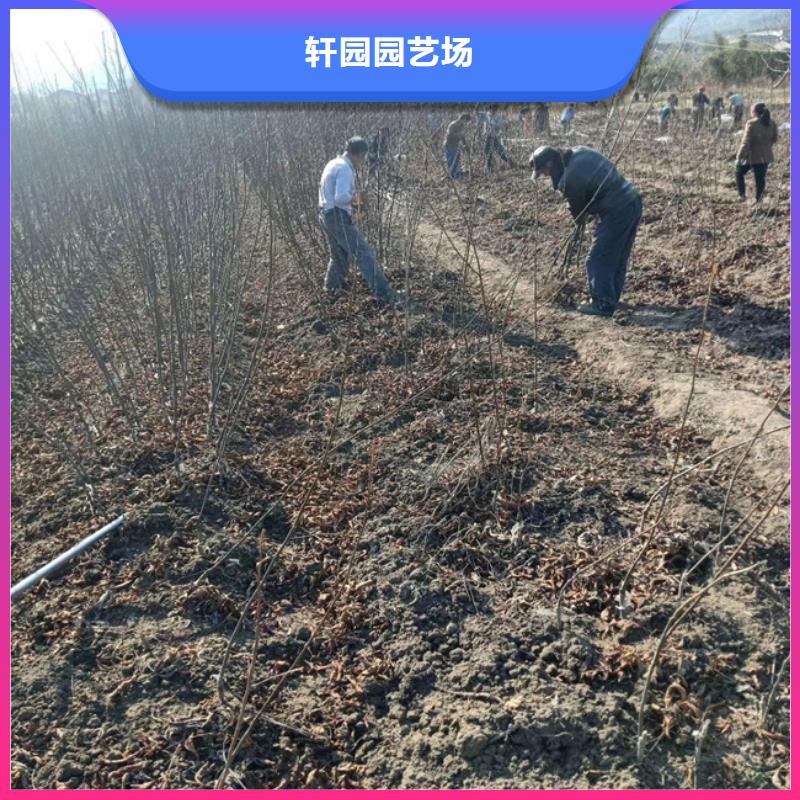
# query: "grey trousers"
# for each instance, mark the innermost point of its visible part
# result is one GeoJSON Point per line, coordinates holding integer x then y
{"type": "Point", "coordinates": [607, 264]}
{"type": "Point", "coordinates": [494, 144]}
{"type": "Point", "coordinates": [346, 244]}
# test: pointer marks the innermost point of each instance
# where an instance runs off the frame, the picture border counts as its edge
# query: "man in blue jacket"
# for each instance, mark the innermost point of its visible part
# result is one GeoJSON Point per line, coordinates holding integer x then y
{"type": "Point", "coordinates": [593, 187]}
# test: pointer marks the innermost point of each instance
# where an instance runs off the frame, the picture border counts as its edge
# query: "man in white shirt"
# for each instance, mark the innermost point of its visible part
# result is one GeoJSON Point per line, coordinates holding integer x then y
{"type": "Point", "coordinates": [337, 194]}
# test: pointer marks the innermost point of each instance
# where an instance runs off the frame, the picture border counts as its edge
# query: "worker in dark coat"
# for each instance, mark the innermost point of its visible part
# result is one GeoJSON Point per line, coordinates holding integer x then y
{"type": "Point", "coordinates": [378, 153]}
{"type": "Point", "coordinates": [699, 102]}
{"type": "Point", "coordinates": [541, 119]}
{"type": "Point", "coordinates": [593, 187]}
{"type": "Point", "coordinates": [717, 108]}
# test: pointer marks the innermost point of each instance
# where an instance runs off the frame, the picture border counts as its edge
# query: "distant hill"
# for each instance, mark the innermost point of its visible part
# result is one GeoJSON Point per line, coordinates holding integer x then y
{"type": "Point", "coordinates": [728, 22]}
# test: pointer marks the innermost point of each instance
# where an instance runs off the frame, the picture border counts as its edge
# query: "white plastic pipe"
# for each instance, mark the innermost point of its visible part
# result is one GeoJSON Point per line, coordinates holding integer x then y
{"type": "Point", "coordinates": [28, 583]}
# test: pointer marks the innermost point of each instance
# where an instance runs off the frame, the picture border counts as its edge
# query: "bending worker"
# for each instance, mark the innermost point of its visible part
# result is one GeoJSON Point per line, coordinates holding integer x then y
{"type": "Point", "coordinates": [337, 195]}
{"type": "Point", "coordinates": [454, 142]}
{"type": "Point", "coordinates": [593, 187]}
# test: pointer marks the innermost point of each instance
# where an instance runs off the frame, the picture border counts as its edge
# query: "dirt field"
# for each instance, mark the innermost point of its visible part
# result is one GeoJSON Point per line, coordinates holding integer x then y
{"type": "Point", "coordinates": [440, 507]}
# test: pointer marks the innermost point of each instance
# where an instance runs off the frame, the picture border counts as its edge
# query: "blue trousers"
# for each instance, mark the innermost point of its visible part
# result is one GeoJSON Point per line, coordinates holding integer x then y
{"type": "Point", "coordinates": [346, 244]}
{"type": "Point", "coordinates": [453, 157]}
{"type": "Point", "coordinates": [607, 264]}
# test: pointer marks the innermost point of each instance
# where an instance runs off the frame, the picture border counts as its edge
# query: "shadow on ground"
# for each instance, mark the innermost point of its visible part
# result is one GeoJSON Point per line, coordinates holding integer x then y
{"type": "Point", "coordinates": [748, 328]}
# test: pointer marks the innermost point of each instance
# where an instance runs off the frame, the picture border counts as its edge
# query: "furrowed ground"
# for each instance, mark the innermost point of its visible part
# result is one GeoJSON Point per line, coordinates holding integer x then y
{"type": "Point", "coordinates": [405, 567]}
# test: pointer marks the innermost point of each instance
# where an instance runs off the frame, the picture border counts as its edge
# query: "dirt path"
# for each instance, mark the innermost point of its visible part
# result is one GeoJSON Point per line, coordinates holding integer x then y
{"type": "Point", "coordinates": [723, 407]}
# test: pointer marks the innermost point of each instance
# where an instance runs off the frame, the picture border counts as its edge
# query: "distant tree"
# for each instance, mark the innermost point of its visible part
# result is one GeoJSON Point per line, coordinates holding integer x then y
{"type": "Point", "coordinates": [660, 76]}
{"type": "Point", "coordinates": [717, 63]}
{"type": "Point", "coordinates": [738, 62]}
{"type": "Point", "coordinates": [746, 63]}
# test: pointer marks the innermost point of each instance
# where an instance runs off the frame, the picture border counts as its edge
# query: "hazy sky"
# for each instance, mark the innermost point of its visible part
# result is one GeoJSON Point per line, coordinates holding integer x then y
{"type": "Point", "coordinates": [42, 41]}
{"type": "Point", "coordinates": [728, 22]}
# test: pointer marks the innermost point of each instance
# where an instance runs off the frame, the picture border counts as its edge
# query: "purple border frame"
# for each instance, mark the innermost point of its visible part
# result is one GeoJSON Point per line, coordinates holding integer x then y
{"type": "Point", "coordinates": [5, 420]}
